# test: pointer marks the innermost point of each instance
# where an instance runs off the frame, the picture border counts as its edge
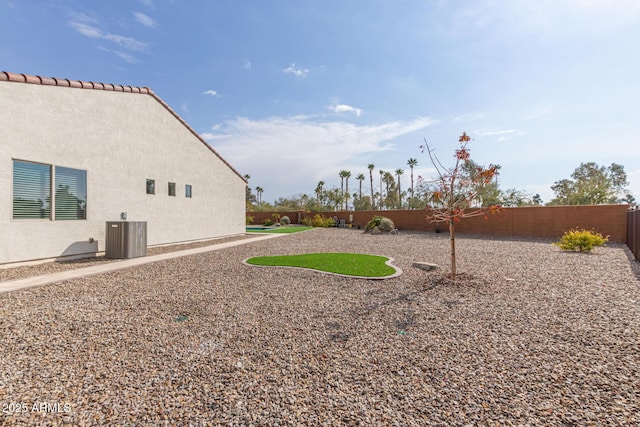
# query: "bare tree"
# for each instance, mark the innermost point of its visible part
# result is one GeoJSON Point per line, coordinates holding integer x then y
{"type": "Point", "coordinates": [455, 190]}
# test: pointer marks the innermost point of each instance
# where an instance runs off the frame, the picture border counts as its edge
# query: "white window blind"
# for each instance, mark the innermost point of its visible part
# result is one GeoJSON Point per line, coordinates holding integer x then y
{"type": "Point", "coordinates": [71, 193]}
{"type": "Point", "coordinates": [31, 190]}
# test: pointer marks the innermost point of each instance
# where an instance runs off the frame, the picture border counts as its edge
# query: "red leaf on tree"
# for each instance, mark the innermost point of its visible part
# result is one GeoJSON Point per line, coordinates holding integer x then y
{"type": "Point", "coordinates": [462, 154]}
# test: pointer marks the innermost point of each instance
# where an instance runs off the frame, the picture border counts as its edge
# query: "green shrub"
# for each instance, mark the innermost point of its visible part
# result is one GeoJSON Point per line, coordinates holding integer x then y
{"type": "Point", "coordinates": [250, 219]}
{"type": "Point", "coordinates": [375, 221]}
{"type": "Point", "coordinates": [307, 222]}
{"type": "Point", "coordinates": [382, 223]}
{"type": "Point", "coordinates": [267, 222]}
{"type": "Point", "coordinates": [285, 220]}
{"type": "Point", "coordinates": [320, 221]}
{"type": "Point", "coordinates": [581, 240]}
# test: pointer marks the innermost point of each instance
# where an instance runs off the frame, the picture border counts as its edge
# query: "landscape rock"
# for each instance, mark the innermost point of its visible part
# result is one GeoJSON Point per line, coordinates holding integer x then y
{"type": "Point", "coordinates": [425, 266]}
{"type": "Point", "coordinates": [559, 345]}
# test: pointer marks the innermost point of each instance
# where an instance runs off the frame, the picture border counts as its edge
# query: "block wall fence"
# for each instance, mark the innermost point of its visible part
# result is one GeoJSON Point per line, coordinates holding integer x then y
{"type": "Point", "coordinates": [530, 221]}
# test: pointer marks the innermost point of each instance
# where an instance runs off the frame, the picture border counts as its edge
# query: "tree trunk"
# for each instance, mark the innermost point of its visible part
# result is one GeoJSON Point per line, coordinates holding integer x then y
{"type": "Point", "coordinates": [381, 201]}
{"type": "Point", "coordinates": [373, 202]}
{"type": "Point", "coordinates": [452, 236]}
{"type": "Point", "coordinates": [346, 196]}
{"type": "Point", "coordinates": [412, 195]}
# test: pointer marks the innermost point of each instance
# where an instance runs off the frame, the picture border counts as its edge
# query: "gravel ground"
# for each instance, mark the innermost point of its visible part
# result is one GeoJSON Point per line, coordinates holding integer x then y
{"type": "Point", "coordinates": [530, 336]}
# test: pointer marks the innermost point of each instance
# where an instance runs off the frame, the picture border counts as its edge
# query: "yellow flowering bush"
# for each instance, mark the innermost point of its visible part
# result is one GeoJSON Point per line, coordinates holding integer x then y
{"type": "Point", "coordinates": [581, 240]}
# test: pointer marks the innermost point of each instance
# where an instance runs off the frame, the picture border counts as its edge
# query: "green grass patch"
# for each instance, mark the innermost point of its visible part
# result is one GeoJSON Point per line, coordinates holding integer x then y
{"type": "Point", "coordinates": [280, 230]}
{"type": "Point", "coordinates": [341, 263]}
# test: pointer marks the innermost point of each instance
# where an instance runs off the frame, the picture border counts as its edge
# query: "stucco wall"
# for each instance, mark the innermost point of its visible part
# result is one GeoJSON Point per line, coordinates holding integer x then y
{"type": "Point", "coordinates": [120, 139]}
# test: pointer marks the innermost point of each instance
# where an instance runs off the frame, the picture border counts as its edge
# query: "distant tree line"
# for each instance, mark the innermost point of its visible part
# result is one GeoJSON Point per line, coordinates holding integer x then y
{"type": "Point", "coordinates": [589, 184]}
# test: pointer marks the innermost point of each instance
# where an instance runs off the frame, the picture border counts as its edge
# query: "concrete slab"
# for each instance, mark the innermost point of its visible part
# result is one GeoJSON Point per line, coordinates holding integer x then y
{"type": "Point", "coordinates": [29, 282]}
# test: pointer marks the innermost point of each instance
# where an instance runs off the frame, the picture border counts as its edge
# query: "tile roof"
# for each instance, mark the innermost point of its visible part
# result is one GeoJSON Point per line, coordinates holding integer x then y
{"type": "Point", "coordinates": [53, 81]}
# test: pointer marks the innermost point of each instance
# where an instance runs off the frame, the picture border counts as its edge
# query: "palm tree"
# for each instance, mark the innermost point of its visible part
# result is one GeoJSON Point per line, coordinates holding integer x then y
{"type": "Point", "coordinates": [319, 193]}
{"type": "Point", "coordinates": [248, 194]}
{"type": "Point", "coordinates": [342, 174]}
{"type": "Point", "coordinates": [411, 163]}
{"type": "Point", "coordinates": [381, 175]}
{"type": "Point", "coordinates": [347, 175]}
{"type": "Point", "coordinates": [259, 191]}
{"type": "Point", "coordinates": [360, 178]}
{"type": "Point", "coordinates": [398, 173]}
{"type": "Point", "coordinates": [370, 167]}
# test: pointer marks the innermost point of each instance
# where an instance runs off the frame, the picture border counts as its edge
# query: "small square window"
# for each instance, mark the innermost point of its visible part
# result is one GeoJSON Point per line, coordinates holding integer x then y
{"type": "Point", "coordinates": [172, 188]}
{"type": "Point", "coordinates": [187, 190]}
{"type": "Point", "coordinates": [151, 186]}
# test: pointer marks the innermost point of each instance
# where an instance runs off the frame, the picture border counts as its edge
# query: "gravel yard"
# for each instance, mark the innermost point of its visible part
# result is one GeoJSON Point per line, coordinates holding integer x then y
{"type": "Point", "coordinates": [532, 336]}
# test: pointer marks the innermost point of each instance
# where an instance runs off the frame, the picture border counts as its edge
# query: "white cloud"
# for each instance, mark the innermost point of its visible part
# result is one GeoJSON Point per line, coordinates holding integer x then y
{"type": "Point", "coordinates": [296, 71]}
{"type": "Point", "coordinates": [145, 20]}
{"type": "Point", "coordinates": [86, 30]}
{"type": "Point", "coordinates": [469, 117]}
{"type": "Point", "coordinates": [548, 19]}
{"type": "Point", "coordinates": [342, 108]}
{"type": "Point", "coordinates": [210, 136]}
{"type": "Point", "coordinates": [537, 112]}
{"type": "Point", "coordinates": [499, 132]}
{"type": "Point", "coordinates": [214, 136]}
{"type": "Point", "coordinates": [96, 33]}
{"type": "Point", "coordinates": [211, 92]}
{"type": "Point", "coordinates": [290, 154]}
{"type": "Point", "coordinates": [126, 57]}
{"type": "Point", "coordinates": [247, 65]}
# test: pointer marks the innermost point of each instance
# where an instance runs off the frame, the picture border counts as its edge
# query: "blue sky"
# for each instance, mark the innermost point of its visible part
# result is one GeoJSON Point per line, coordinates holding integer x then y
{"type": "Point", "coordinates": [292, 92]}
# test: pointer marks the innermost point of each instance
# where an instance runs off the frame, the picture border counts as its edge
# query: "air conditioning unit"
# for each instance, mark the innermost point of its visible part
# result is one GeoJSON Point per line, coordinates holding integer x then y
{"type": "Point", "coordinates": [126, 239]}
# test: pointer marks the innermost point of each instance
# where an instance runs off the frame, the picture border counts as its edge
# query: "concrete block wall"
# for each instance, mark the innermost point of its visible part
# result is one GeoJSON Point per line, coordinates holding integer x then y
{"type": "Point", "coordinates": [530, 221]}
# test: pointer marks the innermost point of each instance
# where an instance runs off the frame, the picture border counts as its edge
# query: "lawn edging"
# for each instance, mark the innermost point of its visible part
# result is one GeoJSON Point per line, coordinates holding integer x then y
{"type": "Point", "coordinates": [388, 262]}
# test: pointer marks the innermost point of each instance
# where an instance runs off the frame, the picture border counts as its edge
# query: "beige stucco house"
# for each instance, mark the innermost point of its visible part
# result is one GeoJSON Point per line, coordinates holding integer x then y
{"type": "Point", "coordinates": [74, 155]}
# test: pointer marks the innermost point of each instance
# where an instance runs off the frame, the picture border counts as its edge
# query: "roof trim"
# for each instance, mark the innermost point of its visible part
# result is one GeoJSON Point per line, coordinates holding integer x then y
{"type": "Point", "coordinates": [78, 84]}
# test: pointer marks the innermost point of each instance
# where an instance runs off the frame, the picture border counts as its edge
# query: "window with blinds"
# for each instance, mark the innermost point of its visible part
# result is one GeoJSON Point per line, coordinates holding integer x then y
{"type": "Point", "coordinates": [71, 193]}
{"type": "Point", "coordinates": [33, 188]}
